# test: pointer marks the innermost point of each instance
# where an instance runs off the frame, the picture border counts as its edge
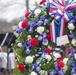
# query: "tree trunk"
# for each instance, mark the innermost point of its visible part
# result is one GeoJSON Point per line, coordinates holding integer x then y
{"type": "Point", "coordinates": [27, 5]}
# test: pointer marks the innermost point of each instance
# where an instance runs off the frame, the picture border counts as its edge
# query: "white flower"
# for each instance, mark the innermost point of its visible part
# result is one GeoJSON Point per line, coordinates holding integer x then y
{"type": "Point", "coordinates": [56, 55]}
{"type": "Point", "coordinates": [20, 24]}
{"type": "Point", "coordinates": [36, 36]}
{"type": "Point", "coordinates": [29, 37]}
{"type": "Point", "coordinates": [19, 44]}
{"type": "Point", "coordinates": [65, 60]}
{"type": "Point", "coordinates": [33, 56]}
{"type": "Point", "coordinates": [75, 56]}
{"type": "Point", "coordinates": [16, 34]}
{"type": "Point", "coordinates": [37, 12]}
{"type": "Point", "coordinates": [48, 57]}
{"type": "Point", "coordinates": [40, 29]}
{"type": "Point", "coordinates": [33, 73]}
{"type": "Point", "coordinates": [65, 68]}
{"type": "Point", "coordinates": [45, 43]}
{"type": "Point", "coordinates": [36, 55]}
{"type": "Point", "coordinates": [74, 42]}
{"type": "Point", "coordinates": [49, 47]}
{"type": "Point", "coordinates": [71, 26]}
{"type": "Point", "coordinates": [33, 8]}
{"type": "Point", "coordinates": [43, 72]}
{"type": "Point", "coordinates": [29, 60]}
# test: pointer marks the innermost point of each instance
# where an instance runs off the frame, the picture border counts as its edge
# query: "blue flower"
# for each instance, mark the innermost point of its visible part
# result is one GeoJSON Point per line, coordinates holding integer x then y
{"type": "Point", "coordinates": [27, 51]}
{"type": "Point", "coordinates": [31, 26]}
{"type": "Point", "coordinates": [30, 31]}
{"type": "Point", "coordinates": [38, 68]}
{"type": "Point", "coordinates": [43, 38]}
{"type": "Point", "coordinates": [42, 18]}
{"type": "Point", "coordinates": [27, 46]}
{"type": "Point", "coordinates": [38, 61]}
{"type": "Point", "coordinates": [53, 72]}
{"type": "Point", "coordinates": [48, 5]}
{"type": "Point", "coordinates": [39, 23]}
{"type": "Point", "coordinates": [73, 71]}
{"type": "Point", "coordinates": [19, 30]}
{"type": "Point", "coordinates": [46, 21]}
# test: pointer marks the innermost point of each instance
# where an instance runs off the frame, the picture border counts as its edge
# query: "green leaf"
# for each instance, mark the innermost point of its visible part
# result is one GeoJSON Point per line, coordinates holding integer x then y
{"type": "Point", "coordinates": [45, 67]}
{"type": "Point", "coordinates": [19, 52]}
{"type": "Point", "coordinates": [16, 71]}
{"type": "Point", "coordinates": [18, 40]}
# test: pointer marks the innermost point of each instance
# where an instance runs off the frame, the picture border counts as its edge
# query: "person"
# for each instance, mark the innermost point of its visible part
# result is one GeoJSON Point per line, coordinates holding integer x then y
{"type": "Point", "coordinates": [5, 57]}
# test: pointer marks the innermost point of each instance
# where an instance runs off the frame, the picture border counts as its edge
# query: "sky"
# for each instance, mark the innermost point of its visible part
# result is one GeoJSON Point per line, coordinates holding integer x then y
{"type": "Point", "coordinates": [14, 9]}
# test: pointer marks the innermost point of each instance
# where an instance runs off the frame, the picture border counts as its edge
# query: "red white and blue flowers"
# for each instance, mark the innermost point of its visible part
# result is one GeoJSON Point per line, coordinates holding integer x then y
{"type": "Point", "coordinates": [37, 54]}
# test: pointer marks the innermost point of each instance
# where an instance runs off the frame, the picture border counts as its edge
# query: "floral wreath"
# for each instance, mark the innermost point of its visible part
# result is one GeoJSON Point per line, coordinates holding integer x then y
{"type": "Point", "coordinates": [37, 55]}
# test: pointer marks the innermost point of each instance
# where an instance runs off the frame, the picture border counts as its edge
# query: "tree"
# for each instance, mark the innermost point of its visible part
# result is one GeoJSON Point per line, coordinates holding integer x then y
{"type": "Point", "coordinates": [14, 9]}
{"type": "Point", "coordinates": [11, 10]}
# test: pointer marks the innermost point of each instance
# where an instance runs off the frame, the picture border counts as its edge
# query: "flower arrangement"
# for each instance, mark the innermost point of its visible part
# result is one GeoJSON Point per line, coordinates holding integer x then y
{"type": "Point", "coordinates": [37, 53]}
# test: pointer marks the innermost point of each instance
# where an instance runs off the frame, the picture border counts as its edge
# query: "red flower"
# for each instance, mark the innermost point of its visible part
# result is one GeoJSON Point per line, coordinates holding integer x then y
{"type": "Point", "coordinates": [60, 64]}
{"type": "Point", "coordinates": [27, 14]}
{"type": "Point", "coordinates": [60, 58]}
{"type": "Point", "coordinates": [21, 67]}
{"type": "Point", "coordinates": [24, 24]}
{"type": "Point", "coordinates": [70, 50]}
{"type": "Point", "coordinates": [43, 1]}
{"type": "Point", "coordinates": [70, 38]}
{"type": "Point", "coordinates": [48, 50]}
{"type": "Point", "coordinates": [48, 37]}
{"type": "Point", "coordinates": [34, 42]}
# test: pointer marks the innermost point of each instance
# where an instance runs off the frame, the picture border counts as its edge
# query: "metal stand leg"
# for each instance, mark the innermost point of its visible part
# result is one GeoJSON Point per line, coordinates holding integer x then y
{"type": "Point", "coordinates": [7, 60]}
